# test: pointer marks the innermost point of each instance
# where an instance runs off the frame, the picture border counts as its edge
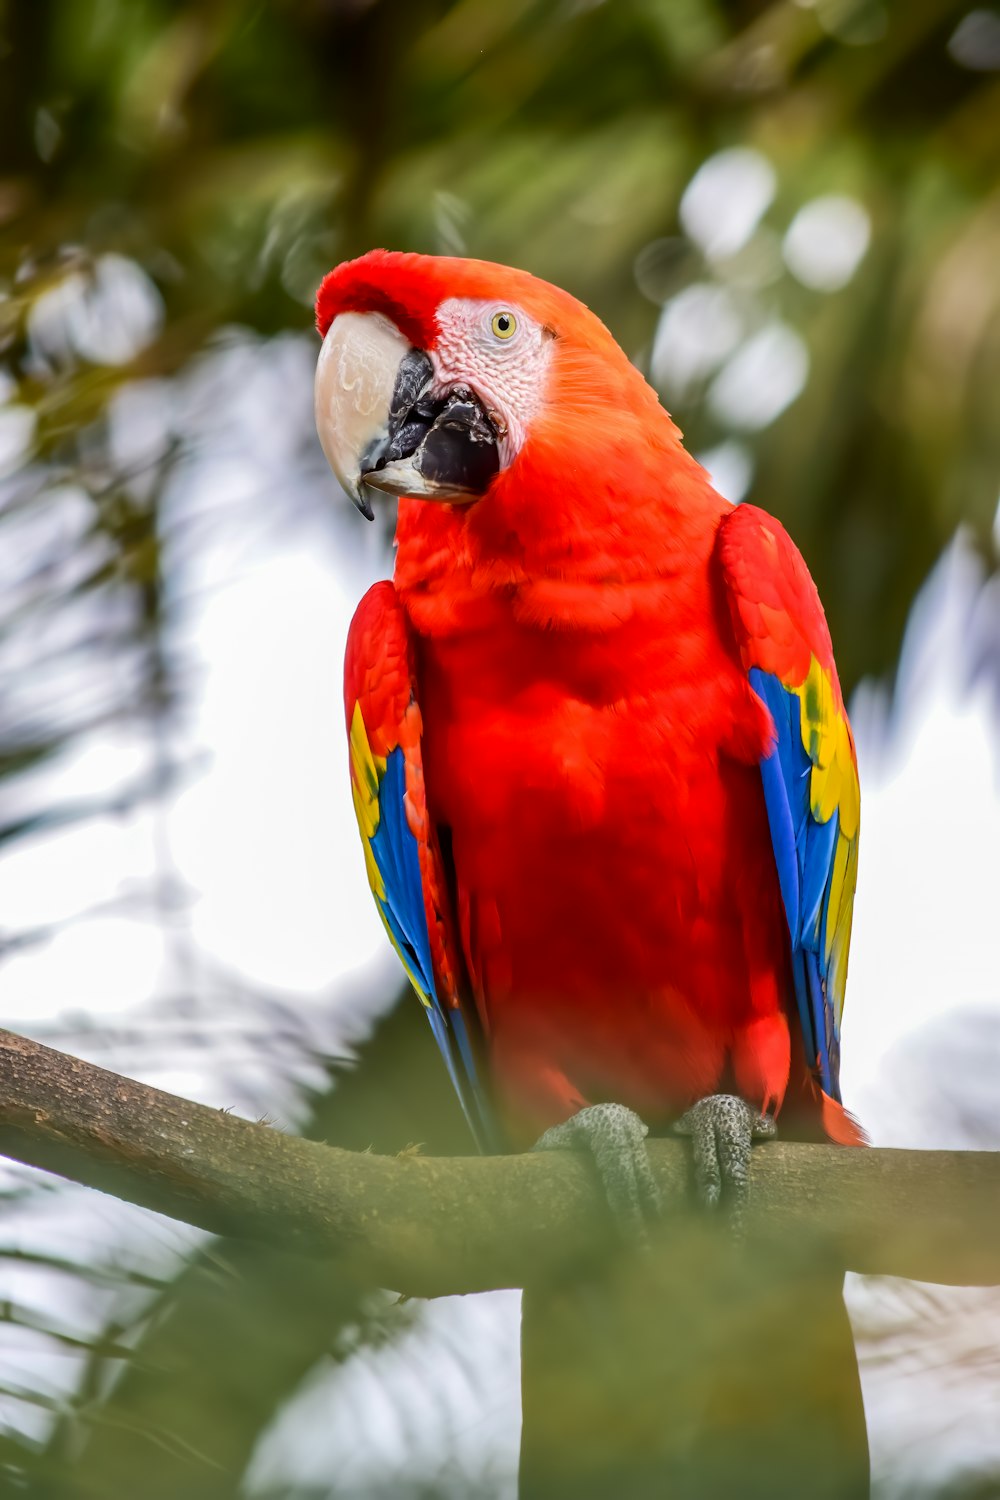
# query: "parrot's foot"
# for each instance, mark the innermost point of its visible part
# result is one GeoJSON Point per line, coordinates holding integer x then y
{"type": "Point", "coordinates": [615, 1137]}
{"type": "Point", "coordinates": [723, 1129]}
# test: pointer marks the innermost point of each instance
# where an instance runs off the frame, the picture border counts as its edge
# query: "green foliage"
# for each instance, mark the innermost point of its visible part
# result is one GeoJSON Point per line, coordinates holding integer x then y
{"type": "Point", "coordinates": [234, 152]}
{"type": "Point", "coordinates": [238, 151]}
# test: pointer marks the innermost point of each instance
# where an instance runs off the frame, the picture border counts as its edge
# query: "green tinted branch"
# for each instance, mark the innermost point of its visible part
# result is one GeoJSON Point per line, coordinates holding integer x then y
{"type": "Point", "coordinates": [434, 1226]}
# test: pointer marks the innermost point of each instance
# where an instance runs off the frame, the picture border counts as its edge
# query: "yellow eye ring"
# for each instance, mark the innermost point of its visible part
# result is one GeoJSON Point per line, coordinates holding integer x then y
{"type": "Point", "coordinates": [503, 324]}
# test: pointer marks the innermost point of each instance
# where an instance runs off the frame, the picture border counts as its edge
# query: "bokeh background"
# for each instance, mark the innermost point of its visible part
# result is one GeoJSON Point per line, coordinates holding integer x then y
{"type": "Point", "coordinates": [788, 211]}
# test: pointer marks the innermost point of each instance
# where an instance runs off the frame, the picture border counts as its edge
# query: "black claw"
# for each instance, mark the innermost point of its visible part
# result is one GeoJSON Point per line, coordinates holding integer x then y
{"type": "Point", "coordinates": [615, 1137]}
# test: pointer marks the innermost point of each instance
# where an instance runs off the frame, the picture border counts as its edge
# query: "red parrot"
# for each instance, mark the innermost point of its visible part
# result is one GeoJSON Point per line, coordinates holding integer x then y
{"type": "Point", "coordinates": [600, 757]}
{"type": "Point", "coordinates": [600, 760]}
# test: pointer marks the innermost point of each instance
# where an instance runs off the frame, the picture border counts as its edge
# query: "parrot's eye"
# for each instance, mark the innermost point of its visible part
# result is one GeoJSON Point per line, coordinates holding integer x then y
{"type": "Point", "coordinates": [503, 324]}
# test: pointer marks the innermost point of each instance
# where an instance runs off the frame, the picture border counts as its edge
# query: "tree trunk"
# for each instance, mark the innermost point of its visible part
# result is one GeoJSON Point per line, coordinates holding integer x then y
{"type": "Point", "coordinates": [708, 1369]}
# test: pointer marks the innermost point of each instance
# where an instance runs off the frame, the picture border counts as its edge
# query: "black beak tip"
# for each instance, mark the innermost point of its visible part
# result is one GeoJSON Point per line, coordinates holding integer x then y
{"type": "Point", "coordinates": [364, 504]}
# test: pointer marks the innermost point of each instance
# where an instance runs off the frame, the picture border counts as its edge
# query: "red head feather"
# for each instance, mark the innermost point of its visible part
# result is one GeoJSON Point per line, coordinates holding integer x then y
{"type": "Point", "coordinates": [409, 288]}
{"type": "Point", "coordinates": [403, 287]}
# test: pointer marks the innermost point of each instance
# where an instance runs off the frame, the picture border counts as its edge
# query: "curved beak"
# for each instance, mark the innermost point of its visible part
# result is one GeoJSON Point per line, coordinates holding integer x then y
{"type": "Point", "coordinates": [383, 426]}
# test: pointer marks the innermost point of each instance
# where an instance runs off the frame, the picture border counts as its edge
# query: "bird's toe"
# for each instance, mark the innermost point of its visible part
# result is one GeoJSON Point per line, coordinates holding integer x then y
{"type": "Point", "coordinates": [615, 1138]}
{"type": "Point", "coordinates": [722, 1129]}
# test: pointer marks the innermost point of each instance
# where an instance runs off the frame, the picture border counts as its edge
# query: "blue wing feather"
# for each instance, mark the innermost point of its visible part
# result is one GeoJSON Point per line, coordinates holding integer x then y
{"type": "Point", "coordinates": [819, 846]}
{"type": "Point", "coordinates": [394, 850]}
{"type": "Point", "coordinates": [804, 851]}
{"type": "Point", "coordinates": [779, 815]}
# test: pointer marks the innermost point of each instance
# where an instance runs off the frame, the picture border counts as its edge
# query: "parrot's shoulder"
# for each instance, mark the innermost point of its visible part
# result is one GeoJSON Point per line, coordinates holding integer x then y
{"type": "Point", "coordinates": [379, 665]}
{"type": "Point", "coordinates": [777, 615]}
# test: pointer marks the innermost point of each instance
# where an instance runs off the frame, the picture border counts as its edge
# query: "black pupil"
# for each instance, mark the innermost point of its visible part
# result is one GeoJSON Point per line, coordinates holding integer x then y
{"type": "Point", "coordinates": [503, 323]}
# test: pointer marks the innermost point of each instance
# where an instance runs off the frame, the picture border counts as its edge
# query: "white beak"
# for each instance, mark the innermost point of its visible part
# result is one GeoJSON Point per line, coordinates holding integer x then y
{"type": "Point", "coordinates": [384, 426]}
{"type": "Point", "coordinates": [355, 379]}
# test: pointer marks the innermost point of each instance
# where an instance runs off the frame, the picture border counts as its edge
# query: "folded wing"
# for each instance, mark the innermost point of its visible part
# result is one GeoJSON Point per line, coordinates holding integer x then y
{"type": "Point", "coordinates": [403, 857]}
{"type": "Point", "coordinates": [810, 776]}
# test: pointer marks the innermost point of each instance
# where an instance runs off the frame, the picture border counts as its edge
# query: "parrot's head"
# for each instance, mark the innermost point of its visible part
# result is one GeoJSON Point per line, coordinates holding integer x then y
{"type": "Point", "coordinates": [438, 376]}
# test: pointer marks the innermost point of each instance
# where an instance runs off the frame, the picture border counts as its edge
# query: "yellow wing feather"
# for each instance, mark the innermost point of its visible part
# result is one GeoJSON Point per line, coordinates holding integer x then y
{"type": "Point", "coordinates": [367, 770]}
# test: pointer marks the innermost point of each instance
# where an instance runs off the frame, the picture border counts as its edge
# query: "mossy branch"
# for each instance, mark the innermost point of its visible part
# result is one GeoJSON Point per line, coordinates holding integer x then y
{"type": "Point", "coordinates": [434, 1225]}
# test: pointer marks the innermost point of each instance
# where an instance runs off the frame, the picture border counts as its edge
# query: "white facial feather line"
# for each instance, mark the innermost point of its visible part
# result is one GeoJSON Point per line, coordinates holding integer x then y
{"type": "Point", "coordinates": [508, 375]}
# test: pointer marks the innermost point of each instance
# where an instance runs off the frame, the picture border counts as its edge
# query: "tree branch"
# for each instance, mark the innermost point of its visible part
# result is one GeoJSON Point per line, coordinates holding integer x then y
{"type": "Point", "coordinates": [433, 1226]}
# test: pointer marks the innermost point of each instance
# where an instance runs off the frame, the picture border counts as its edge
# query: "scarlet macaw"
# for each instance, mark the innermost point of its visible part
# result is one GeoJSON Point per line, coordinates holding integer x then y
{"type": "Point", "coordinates": [600, 758]}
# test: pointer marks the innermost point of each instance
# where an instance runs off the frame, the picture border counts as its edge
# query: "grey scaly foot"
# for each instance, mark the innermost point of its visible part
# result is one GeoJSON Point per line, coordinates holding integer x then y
{"type": "Point", "coordinates": [723, 1129]}
{"type": "Point", "coordinates": [615, 1137]}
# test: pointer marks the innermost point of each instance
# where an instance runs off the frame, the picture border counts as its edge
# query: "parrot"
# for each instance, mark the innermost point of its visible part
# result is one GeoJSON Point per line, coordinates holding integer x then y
{"type": "Point", "coordinates": [602, 769]}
